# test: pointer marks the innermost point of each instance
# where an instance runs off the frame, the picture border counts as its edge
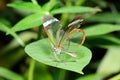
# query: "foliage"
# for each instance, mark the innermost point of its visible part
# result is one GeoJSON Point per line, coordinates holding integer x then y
{"type": "Point", "coordinates": [102, 32]}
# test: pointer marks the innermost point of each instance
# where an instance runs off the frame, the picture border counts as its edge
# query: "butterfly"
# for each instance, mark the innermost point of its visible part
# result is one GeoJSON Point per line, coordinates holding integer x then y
{"type": "Point", "coordinates": [59, 37]}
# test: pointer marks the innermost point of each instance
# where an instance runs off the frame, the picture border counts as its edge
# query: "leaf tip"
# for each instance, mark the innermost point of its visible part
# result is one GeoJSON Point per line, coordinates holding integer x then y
{"type": "Point", "coordinates": [81, 72]}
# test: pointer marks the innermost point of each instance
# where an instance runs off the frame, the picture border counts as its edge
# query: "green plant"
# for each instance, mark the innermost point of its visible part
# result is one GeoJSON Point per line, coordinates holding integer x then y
{"type": "Point", "coordinates": [34, 13]}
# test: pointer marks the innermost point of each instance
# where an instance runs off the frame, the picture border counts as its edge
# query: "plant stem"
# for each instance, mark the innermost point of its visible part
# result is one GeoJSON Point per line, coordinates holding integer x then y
{"type": "Point", "coordinates": [32, 63]}
{"type": "Point", "coordinates": [50, 5]}
{"type": "Point", "coordinates": [113, 8]}
{"type": "Point", "coordinates": [39, 33]}
{"type": "Point", "coordinates": [62, 74]}
{"type": "Point", "coordinates": [31, 70]}
{"type": "Point", "coordinates": [64, 18]}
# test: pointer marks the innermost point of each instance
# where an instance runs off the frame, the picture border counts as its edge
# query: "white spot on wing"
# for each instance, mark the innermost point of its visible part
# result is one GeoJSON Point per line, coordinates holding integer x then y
{"type": "Point", "coordinates": [45, 24]}
{"type": "Point", "coordinates": [75, 22]}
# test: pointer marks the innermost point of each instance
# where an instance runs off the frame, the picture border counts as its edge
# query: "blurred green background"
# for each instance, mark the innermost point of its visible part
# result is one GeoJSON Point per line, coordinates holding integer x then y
{"type": "Point", "coordinates": [102, 27]}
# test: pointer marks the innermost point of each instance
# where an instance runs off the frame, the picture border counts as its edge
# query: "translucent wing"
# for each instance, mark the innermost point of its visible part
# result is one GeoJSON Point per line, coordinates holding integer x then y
{"type": "Point", "coordinates": [52, 28]}
{"type": "Point", "coordinates": [73, 33]}
{"type": "Point", "coordinates": [77, 35]}
{"type": "Point", "coordinates": [75, 23]}
{"type": "Point", "coordinates": [73, 27]}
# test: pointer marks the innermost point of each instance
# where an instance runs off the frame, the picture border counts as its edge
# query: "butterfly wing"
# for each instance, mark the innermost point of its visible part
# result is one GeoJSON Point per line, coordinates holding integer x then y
{"type": "Point", "coordinates": [73, 33]}
{"type": "Point", "coordinates": [62, 38]}
{"type": "Point", "coordinates": [73, 30]}
{"type": "Point", "coordinates": [75, 23]}
{"type": "Point", "coordinates": [77, 35]}
{"type": "Point", "coordinates": [52, 28]}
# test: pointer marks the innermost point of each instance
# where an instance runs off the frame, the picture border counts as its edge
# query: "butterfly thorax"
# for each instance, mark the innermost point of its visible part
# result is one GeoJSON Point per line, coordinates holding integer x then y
{"type": "Point", "coordinates": [57, 49]}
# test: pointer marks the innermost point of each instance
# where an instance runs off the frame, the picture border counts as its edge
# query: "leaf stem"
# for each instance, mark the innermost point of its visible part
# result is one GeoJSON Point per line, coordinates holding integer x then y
{"type": "Point", "coordinates": [31, 70]}
{"type": "Point", "coordinates": [19, 40]}
{"type": "Point", "coordinates": [13, 34]}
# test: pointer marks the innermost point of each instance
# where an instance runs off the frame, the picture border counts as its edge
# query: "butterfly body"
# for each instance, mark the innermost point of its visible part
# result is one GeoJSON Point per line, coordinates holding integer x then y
{"type": "Point", "coordinates": [57, 50]}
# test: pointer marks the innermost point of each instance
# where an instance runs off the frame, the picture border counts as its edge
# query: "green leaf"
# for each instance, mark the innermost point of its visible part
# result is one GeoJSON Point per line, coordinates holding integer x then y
{"type": "Point", "coordinates": [28, 22]}
{"type": "Point", "coordinates": [9, 74]}
{"type": "Point", "coordinates": [5, 28]}
{"type": "Point", "coordinates": [105, 17]}
{"type": "Point", "coordinates": [101, 29]}
{"type": "Point", "coordinates": [88, 77]}
{"type": "Point", "coordinates": [110, 64]}
{"type": "Point", "coordinates": [2, 28]}
{"type": "Point", "coordinates": [74, 9]}
{"type": "Point", "coordinates": [102, 41]}
{"type": "Point", "coordinates": [6, 22]}
{"type": "Point", "coordinates": [116, 77]}
{"type": "Point", "coordinates": [25, 6]}
{"type": "Point", "coordinates": [25, 36]}
{"type": "Point", "coordinates": [101, 3]}
{"type": "Point", "coordinates": [41, 51]}
{"type": "Point", "coordinates": [52, 3]}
